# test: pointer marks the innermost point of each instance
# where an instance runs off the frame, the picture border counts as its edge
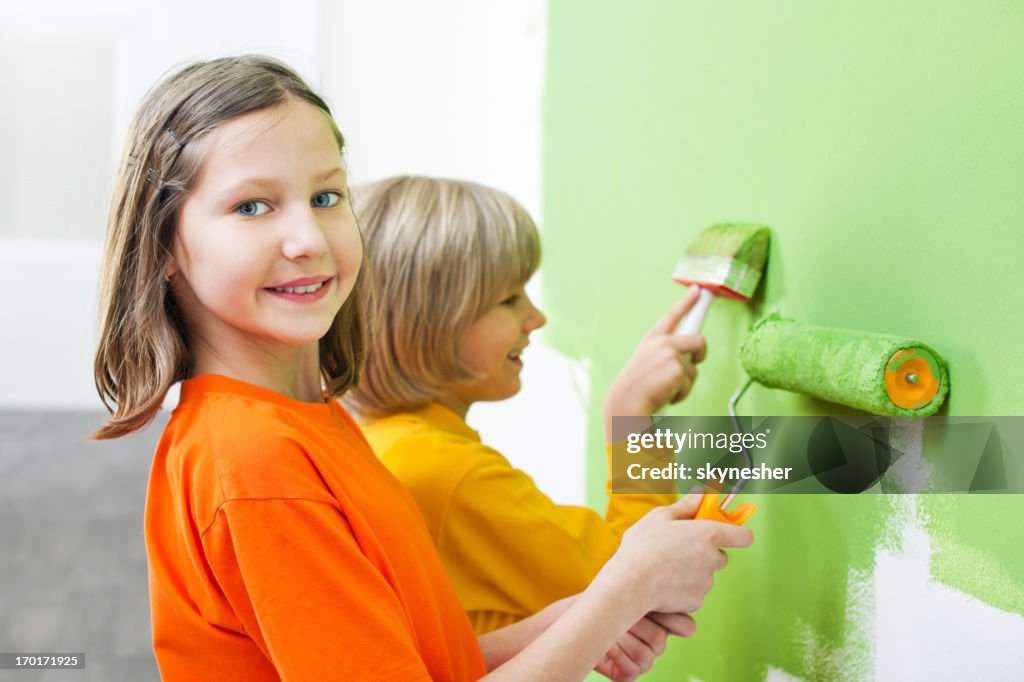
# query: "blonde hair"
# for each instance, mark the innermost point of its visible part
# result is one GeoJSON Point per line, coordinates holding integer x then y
{"type": "Point", "coordinates": [143, 346]}
{"type": "Point", "coordinates": [439, 254]}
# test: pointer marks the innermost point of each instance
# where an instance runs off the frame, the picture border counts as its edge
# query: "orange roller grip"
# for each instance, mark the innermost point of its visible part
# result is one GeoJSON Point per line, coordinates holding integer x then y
{"type": "Point", "coordinates": [710, 511]}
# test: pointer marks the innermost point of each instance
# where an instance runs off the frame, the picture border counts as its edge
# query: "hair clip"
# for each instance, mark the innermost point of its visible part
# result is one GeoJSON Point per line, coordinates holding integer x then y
{"type": "Point", "coordinates": [153, 178]}
{"type": "Point", "coordinates": [175, 138]}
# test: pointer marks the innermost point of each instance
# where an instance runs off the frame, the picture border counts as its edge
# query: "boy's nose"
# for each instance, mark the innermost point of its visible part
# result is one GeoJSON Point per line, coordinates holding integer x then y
{"type": "Point", "coordinates": [535, 319]}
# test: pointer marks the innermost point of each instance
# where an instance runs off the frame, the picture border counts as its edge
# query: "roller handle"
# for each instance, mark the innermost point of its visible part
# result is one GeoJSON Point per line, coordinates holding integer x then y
{"type": "Point", "coordinates": [710, 510]}
{"type": "Point", "coordinates": [694, 319]}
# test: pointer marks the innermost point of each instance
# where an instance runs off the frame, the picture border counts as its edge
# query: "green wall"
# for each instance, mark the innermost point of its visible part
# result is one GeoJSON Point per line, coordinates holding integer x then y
{"type": "Point", "coordinates": [884, 144]}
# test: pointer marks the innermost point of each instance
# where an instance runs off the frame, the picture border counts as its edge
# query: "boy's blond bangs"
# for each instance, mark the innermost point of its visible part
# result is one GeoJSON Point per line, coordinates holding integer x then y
{"type": "Point", "coordinates": [439, 254]}
{"type": "Point", "coordinates": [143, 345]}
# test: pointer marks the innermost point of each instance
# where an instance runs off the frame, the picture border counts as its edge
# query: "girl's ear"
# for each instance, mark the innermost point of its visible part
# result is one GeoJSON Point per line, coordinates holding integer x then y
{"type": "Point", "coordinates": [171, 268]}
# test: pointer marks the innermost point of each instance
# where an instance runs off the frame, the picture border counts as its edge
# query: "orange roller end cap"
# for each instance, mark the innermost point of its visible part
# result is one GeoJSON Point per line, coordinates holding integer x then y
{"type": "Point", "coordinates": [911, 379]}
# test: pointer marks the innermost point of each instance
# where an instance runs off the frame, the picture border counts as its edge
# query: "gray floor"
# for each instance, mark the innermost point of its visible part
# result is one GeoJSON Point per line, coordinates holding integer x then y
{"type": "Point", "coordinates": [72, 555]}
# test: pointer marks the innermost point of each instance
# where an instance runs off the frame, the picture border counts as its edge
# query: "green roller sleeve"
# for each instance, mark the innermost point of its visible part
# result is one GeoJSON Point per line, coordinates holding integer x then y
{"type": "Point", "coordinates": [876, 373]}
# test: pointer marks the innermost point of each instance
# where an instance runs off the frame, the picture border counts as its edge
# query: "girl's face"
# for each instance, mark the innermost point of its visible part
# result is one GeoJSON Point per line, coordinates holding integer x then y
{"type": "Point", "coordinates": [491, 348]}
{"type": "Point", "coordinates": [267, 249]}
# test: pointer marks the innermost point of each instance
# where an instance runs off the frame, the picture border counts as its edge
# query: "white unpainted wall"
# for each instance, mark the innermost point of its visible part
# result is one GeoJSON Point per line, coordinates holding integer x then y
{"type": "Point", "coordinates": [450, 88]}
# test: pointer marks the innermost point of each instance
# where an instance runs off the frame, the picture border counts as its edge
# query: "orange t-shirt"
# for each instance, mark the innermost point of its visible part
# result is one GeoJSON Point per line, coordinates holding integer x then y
{"type": "Point", "coordinates": [280, 548]}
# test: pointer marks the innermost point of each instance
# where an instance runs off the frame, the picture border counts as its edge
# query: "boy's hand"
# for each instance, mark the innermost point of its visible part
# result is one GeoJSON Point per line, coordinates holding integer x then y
{"type": "Point", "coordinates": [662, 369]}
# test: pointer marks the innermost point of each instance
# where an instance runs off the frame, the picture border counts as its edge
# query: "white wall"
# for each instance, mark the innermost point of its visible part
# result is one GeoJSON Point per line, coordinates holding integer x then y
{"type": "Point", "coordinates": [454, 89]}
{"type": "Point", "coordinates": [450, 88]}
{"type": "Point", "coordinates": [72, 74]}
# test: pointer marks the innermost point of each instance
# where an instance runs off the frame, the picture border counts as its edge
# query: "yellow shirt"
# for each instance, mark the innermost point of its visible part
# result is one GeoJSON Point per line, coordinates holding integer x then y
{"type": "Point", "coordinates": [508, 548]}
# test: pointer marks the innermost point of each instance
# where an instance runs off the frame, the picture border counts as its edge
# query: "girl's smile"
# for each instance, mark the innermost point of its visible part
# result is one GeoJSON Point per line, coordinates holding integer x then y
{"type": "Point", "coordinates": [302, 290]}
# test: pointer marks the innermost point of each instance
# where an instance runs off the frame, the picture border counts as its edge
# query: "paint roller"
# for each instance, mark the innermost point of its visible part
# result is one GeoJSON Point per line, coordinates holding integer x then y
{"type": "Point", "coordinates": [877, 373]}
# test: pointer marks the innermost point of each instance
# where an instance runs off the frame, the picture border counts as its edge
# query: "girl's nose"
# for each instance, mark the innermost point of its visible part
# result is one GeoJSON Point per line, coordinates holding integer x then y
{"type": "Point", "coordinates": [304, 236]}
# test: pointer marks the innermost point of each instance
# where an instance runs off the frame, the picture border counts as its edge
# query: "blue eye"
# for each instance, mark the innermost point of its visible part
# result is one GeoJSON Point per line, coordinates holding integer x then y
{"type": "Point", "coordinates": [252, 208]}
{"type": "Point", "coordinates": [326, 199]}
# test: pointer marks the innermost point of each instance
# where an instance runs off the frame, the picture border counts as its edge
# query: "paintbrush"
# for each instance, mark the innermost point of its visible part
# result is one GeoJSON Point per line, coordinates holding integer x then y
{"type": "Point", "coordinates": [726, 259]}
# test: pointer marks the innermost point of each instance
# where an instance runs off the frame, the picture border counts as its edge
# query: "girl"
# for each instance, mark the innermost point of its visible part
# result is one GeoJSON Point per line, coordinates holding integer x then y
{"type": "Point", "coordinates": [279, 548]}
{"type": "Point", "coordinates": [449, 333]}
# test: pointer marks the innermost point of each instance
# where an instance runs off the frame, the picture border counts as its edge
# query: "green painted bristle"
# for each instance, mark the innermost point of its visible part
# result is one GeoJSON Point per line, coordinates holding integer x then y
{"type": "Point", "coordinates": [744, 242]}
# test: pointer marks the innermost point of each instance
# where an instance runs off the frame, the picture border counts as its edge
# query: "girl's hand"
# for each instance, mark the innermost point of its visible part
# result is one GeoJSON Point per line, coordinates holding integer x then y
{"type": "Point", "coordinates": [635, 651]}
{"type": "Point", "coordinates": [663, 565]}
{"type": "Point", "coordinates": [662, 369]}
{"type": "Point", "coordinates": [666, 560]}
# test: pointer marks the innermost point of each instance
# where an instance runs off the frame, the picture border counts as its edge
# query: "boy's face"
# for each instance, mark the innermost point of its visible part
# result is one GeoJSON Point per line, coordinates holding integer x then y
{"type": "Point", "coordinates": [267, 248]}
{"type": "Point", "coordinates": [491, 348]}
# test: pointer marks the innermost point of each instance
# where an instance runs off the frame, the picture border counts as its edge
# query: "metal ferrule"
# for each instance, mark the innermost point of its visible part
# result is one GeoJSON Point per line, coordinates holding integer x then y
{"type": "Point", "coordinates": [727, 272]}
